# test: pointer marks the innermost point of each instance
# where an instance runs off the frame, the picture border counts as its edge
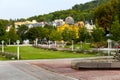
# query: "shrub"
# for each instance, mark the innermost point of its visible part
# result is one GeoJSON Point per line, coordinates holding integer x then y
{"type": "Point", "coordinates": [11, 56]}
{"type": "Point", "coordinates": [99, 44]}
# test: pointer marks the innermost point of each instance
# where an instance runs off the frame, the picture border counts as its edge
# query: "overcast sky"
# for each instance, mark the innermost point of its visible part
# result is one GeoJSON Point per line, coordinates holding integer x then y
{"type": "Point", "coordinates": [27, 8]}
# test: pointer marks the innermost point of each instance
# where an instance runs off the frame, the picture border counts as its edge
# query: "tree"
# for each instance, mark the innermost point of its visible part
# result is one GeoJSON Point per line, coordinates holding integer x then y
{"type": "Point", "coordinates": [12, 35]}
{"type": "Point", "coordinates": [66, 34]}
{"type": "Point", "coordinates": [45, 33]}
{"type": "Point", "coordinates": [72, 34]}
{"type": "Point", "coordinates": [104, 14]}
{"type": "Point", "coordinates": [89, 5]}
{"type": "Point", "coordinates": [83, 34]}
{"type": "Point", "coordinates": [34, 33]}
{"type": "Point", "coordinates": [22, 32]}
{"type": "Point", "coordinates": [98, 34]}
{"type": "Point", "coordinates": [115, 30]}
{"type": "Point", "coordinates": [55, 36]}
{"type": "Point", "coordinates": [118, 10]}
{"type": "Point", "coordinates": [3, 35]}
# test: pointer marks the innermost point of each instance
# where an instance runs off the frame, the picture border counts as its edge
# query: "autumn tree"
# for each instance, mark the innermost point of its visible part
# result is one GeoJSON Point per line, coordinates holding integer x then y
{"type": "Point", "coordinates": [104, 14]}
{"type": "Point", "coordinates": [118, 10]}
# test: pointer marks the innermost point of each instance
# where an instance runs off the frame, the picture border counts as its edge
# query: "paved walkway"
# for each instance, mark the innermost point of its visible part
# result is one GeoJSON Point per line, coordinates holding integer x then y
{"type": "Point", "coordinates": [51, 69]}
{"type": "Point", "coordinates": [20, 70]}
{"type": "Point", "coordinates": [63, 67]}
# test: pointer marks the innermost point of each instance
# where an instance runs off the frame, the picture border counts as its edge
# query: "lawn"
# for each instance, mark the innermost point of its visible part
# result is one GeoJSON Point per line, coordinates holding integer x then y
{"type": "Point", "coordinates": [29, 52]}
{"type": "Point", "coordinates": [2, 58]}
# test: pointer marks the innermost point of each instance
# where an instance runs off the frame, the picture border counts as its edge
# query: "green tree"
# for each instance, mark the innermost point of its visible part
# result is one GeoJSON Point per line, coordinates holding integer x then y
{"type": "Point", "coordinates": [98, 34]}
{"type": "Point", "coordinates": [89, 5]}
{"type": "Point", "coordinates": [12, 35]}
{"type": "Point", "coordinates": [83, 34]}
{"type": "Point", "coordinates": [3, 35]}
{"type": "Point", "coordinates": [22, 32]}
{"type": "Point", "coordinates": [34, 33]}
{"type": "Point", "coordinates": [115, 30]}
{"type": "Point", "coordinates": [68, 35]}
{"type": "Point", "coordinates": [45, 33]}
{"type": "Point", "coordinates": [55, 35]}
{"type": "Point", "coordinates": [72, 34]}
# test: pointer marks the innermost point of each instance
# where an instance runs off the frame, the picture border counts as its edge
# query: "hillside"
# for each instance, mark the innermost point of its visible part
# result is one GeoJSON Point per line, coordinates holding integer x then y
{"type": "Point", "coordinates": [80, 12]}
{"type": "Point", "coordinates": [89, 5]}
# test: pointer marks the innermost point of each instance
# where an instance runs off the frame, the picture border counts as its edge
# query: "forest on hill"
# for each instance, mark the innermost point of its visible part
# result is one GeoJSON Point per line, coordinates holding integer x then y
{"type": "Point", "coordinates": [80, 12]}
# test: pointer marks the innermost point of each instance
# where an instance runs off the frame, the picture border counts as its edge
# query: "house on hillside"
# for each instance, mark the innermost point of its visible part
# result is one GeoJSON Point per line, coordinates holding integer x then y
{"type": "Point", "coordinates": [58, 22]}
{"type": "Point", "coordinates": [69, 20]}
{"type": "Point", "coordinates": [89, 26]}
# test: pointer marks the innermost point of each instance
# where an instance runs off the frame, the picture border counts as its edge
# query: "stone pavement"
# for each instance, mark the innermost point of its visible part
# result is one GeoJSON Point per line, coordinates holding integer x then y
{"type": "Point", "coordinates": [63, 67]}
{"type": "Point", "coordinates": [21, 70]}
{"type": "Point", "coordinates": [51, 69]}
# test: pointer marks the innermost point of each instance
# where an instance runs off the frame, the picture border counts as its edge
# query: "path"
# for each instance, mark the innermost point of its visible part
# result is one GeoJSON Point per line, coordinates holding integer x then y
{"type": "Point", "coordinates": [20, 70]}
{"type": "Point", "coordinates": [63, 67]}
{"type": "Point", "coordinates": [51, 69]}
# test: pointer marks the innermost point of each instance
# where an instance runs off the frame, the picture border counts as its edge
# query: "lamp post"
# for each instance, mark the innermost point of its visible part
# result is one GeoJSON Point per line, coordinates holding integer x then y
{"type": "Point", "coordinates": [109, 46]}
{"type": "Point", "coordinates": [55, 44]}
{"type": "Point", "coordinates": [36, 42]}
{"type": "Point", "coordinates": [49, 44]}
{"type": "Point", "coordinates": [72, 45]}
{"type": "Point", "coordinates": [62, 44]}
{"type": "Point", "coordinates": [18, 51]}
{"type": "Point", "coordinates": [2, 46]}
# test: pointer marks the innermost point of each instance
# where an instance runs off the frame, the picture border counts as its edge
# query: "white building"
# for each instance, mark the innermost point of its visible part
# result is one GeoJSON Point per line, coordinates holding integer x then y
{"type": "Point", "coordinates": [89, 27]}
{"type": "Point", "coordinates": [58, 22]}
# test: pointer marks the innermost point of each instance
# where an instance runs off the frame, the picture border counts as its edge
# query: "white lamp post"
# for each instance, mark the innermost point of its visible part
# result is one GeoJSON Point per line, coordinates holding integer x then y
{"type": "Point", "coordinates": [109, 46]}
{"type": "Point", "coordinates": [18, 51]}
{"type": "Point", "coordinates": [36, 41]}
{"type": "Point", "coordinates": [62, 43]}
{"type": "Point", "coordinates": [55, 43]}
{"type": "Point", "coordinates": [2, 46]}
{"type": "Point", "coordinates": [72, 45]}
{"type": "Point", "coordinates": [49, 43]}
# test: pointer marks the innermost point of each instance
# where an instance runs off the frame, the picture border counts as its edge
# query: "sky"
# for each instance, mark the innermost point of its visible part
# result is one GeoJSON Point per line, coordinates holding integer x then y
{"type": "Point", "coordinates": [13, 9]}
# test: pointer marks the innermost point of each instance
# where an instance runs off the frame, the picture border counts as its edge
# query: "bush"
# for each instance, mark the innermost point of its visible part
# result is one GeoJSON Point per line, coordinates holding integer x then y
{"type": "Point", "coordinates": [99, 44]}
{"type": "Point", "coordinates": [10, 56]}
{"type": "Point", "coordinates": [69, 43]}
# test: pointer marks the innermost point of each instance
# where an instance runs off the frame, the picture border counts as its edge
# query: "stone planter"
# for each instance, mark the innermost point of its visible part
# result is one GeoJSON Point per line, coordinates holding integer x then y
{"type": "Point", "coordinates": [96, 64]}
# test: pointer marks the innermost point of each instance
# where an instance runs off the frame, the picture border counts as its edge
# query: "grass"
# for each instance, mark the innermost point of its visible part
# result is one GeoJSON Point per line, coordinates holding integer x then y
{"type": "Point", "coordinates": [29, 52]}
{"type": "Point", "coordinates": [2, 58]}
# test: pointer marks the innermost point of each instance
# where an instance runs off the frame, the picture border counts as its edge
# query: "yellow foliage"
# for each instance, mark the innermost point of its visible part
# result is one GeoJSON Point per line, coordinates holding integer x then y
{"type": "Point", "coordinates": [70, 27]}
